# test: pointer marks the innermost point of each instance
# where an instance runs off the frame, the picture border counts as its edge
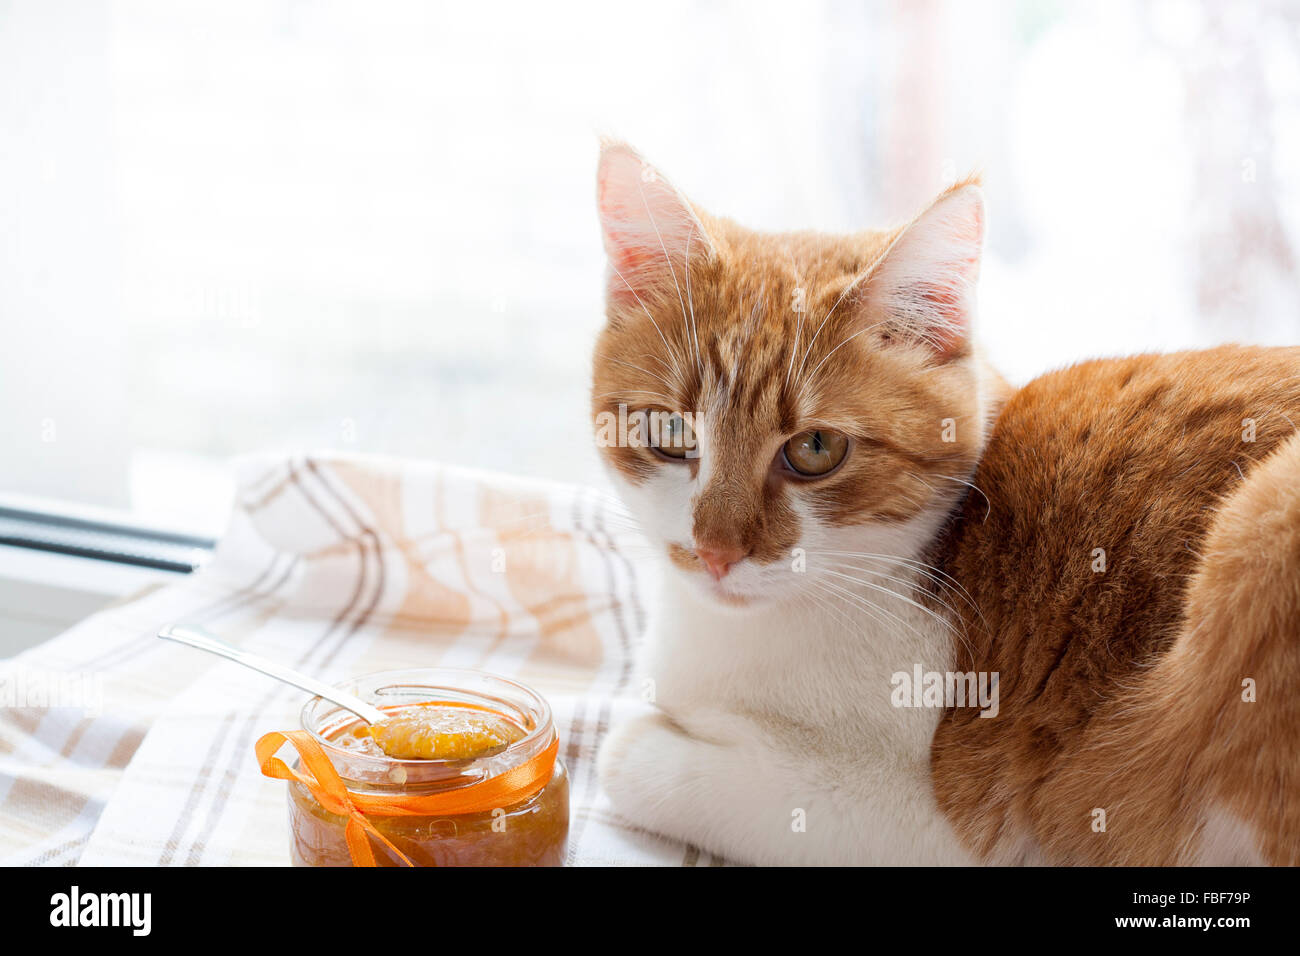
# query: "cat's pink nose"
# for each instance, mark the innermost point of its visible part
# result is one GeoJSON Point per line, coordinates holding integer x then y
{"type": "Point", "coordinates": [719, 560]}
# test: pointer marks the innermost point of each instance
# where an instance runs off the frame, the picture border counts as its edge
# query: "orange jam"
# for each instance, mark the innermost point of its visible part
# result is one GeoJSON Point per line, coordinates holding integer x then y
{"type": "Point", "coordinates": [467, 728]}
{"type": "Point", "coordinates": [435, 731]}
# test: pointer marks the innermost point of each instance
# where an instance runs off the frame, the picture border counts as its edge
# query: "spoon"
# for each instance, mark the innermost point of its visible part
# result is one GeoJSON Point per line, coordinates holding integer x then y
{"type": "Point", "coordinates": [197, 637]}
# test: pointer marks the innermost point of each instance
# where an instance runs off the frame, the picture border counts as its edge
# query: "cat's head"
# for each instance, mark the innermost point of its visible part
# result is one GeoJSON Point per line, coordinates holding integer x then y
{"type": "Point", "coordinates": [777, 406]}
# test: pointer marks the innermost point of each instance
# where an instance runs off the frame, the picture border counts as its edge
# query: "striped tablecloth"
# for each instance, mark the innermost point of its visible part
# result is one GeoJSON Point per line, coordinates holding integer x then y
{"type": "Point", "coordinates": [120, 748]}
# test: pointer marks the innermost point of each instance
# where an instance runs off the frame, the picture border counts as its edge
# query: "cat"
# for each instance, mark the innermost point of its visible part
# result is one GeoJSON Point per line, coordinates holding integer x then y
{"type": "Point", "coordinates": [854, 510]}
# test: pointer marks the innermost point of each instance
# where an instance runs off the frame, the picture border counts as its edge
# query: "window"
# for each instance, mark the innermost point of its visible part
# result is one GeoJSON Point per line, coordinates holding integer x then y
{"type": "Point", "coordinates": [239, 227]}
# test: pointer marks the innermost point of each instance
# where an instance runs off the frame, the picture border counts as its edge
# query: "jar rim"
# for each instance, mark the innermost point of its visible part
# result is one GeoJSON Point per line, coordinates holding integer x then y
{"type": "Point", "coordinates": [468, 684]}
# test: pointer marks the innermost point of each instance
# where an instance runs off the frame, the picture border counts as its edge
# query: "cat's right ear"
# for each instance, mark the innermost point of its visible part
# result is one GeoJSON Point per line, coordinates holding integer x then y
{"type": "Point", "coordinates": [651, 231]}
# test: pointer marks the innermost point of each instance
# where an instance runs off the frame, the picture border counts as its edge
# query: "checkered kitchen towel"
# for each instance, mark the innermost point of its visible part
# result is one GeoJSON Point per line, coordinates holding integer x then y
{"type": "Point", "coordinates": [120, 748]}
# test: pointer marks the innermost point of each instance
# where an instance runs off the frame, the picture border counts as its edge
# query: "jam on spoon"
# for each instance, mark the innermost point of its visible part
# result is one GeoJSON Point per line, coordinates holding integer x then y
{"type": "Point", "coordinates": [434, 731]}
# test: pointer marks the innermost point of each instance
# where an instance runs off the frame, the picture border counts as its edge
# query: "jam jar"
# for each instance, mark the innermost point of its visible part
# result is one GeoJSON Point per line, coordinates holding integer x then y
{"type": "Point", "coordinates": [530, 832]}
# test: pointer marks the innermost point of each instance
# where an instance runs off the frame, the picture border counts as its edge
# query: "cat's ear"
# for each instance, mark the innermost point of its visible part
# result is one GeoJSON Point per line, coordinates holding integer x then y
{"type": "Point", "coordinates": [923, 287]}
{"type": "Point", "coordinates": [650, 229]}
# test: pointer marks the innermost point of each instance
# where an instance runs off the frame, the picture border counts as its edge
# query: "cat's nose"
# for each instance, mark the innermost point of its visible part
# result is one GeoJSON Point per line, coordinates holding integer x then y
{"type": "Point", "coordinates": [719, 560]}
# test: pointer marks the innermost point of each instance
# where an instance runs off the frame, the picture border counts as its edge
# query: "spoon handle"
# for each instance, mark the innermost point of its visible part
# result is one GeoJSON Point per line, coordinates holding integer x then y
{"type": "Point", "coordinates": [201, 639]}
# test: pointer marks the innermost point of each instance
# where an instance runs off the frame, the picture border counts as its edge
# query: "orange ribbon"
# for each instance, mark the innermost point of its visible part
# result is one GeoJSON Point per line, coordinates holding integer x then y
{"type": "Point", "coordinates": [320, 777]}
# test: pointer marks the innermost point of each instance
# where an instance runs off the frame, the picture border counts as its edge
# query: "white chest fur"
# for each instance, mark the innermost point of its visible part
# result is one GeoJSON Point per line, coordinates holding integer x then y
{"type": "Point", "coordinates": [774, 739]}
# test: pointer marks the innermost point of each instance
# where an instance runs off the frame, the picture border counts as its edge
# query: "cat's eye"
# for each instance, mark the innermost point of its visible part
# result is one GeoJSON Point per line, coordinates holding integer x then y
{"type": "Point", "coordinates": [815, 452]}
{"type": "Point", "coordinates": [671, 435]}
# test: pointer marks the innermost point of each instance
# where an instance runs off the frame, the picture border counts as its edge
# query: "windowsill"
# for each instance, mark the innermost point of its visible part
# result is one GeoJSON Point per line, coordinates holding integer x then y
{"type": "Point", "coordinates": [59, 565]}
{"type": "Point", "coordinates": [97, 534]}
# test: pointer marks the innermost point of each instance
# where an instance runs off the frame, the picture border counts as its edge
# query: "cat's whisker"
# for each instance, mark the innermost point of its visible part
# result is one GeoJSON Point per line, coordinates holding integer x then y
{"type": "Point", "coordinates": [902, 597]}
{"type": "Point", "coordinates": [826, 358]}
{"type": "Point", "coordinates": [949, 625]}
{"type": "Point", "coordinates": [842, 600]}
{"type": "Point", "coordinates": [667, 258]}
{"type": "Point", "coordinates": [662, 364]}
{"type": "Point", "coordinates": [866, 603]}
{"type": "Point", "coordinates": [611, 505]}
{"type": "Point", "coordinates": [648, 393]}
{"type": "Point", "coordinates": [930, 569]}
{"type": "Point", "coordinates": [690, 301]}
{"type": "Point", "coordinates": [798, 328]}
{"type": "Point", "coordinates": [750, 326]}
{"type": "Point", "coordinates": [662, 337]}
{"type": "Point", "coordinates": [620, 515]}
{"type": "Point", "coordinates": [674, 386]}
{"type": "Point", "coordinates": [827, 318]}
{"type": "Point", "coordinates": [947, 607]}
{"type": "Point", "coordinates": [931, 490]}
{"type": "Point", "coordinates": [918, 503]}
{"type": "Point", "coordinates": [819, 599]}
{"type": "Point", "coordinates": [906, 582]}
{"type": "Point", "coordinates": [953, 587]}
{"type": "Point", "coordinates": [915, 477]}
{"type": "Point", "coordinates": [849, 592]}
{"type": "Point", "coordinates": [661, 379]}
{"type": "Point", "coordinates": [836, 605]}
{"type": "Point", "coordinates": [988, 509]}
{"type": "Point", "coordinates": [962, 596]}
{"type": "Point", "coordinates": [937, 576]}
{"type": "Point", "coordinates": [1283, 414]}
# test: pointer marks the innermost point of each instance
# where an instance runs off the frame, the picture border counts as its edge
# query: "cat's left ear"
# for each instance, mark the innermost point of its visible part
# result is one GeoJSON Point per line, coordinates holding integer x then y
{"type": "Point", "coordinates": [923, 287]}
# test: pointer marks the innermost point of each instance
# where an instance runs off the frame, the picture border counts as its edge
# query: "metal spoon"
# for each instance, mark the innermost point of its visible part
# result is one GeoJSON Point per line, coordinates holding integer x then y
{"type": "Point", "coordinates": [197, 637]}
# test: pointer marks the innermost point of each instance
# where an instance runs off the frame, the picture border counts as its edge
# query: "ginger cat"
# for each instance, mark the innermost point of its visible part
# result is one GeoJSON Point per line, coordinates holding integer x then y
{"type": "Point", "coordinates": [909, 615]}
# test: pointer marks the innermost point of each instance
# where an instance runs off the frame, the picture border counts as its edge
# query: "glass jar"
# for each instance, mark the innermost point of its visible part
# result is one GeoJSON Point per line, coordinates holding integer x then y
{"type": "Point", "coordinates": [531, 832]}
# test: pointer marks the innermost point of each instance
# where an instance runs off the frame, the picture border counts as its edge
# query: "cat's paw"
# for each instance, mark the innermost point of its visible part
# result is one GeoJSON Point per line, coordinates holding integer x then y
{"type": "Point", "coordinates": [639, 765]}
